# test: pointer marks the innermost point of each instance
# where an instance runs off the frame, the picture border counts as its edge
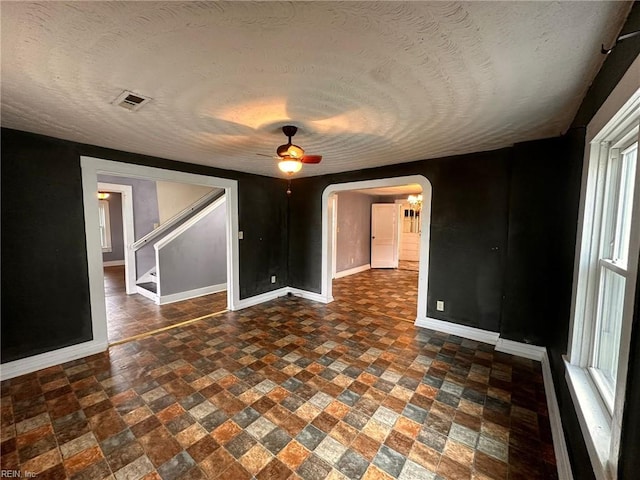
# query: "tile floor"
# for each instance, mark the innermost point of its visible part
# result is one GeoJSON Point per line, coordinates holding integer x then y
{"type": "Point", "coordinates": [287, 389]}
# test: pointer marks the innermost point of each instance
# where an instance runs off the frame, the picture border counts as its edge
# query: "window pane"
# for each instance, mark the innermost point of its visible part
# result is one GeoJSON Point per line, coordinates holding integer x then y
{"type": "Point", "coordinates": [609, 325]}
{"type": "Point", "coordinates": [623, 224]}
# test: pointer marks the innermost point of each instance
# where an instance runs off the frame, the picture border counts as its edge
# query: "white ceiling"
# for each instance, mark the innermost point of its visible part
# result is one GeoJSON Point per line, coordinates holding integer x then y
{"type": "Point", "coordinates": [368, 83]}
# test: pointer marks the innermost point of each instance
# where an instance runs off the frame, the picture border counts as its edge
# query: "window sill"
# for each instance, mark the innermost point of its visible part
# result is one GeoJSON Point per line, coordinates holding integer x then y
{"type": "Point", "coordinates": [594, 418]}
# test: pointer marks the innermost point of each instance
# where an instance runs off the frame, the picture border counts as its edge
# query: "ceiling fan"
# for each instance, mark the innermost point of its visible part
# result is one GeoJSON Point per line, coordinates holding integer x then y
{"type": "Point", "coordinates": [291, 157]}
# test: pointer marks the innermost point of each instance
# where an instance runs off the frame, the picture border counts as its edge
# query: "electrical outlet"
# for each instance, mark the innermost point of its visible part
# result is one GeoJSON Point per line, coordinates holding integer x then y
{"type": "Point", "coordinates": [352, 260]}
{"type": "Point", "coordinates": [440, 305]}
{"type": "Point", "coordinates": [273, 279]}
{"type": "Point", "coordinates": [240, 235]}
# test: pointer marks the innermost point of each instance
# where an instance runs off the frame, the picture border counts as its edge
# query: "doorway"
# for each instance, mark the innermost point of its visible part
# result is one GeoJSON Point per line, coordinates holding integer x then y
{"type": "Point", "coordinates": [328, 246]}
{"type": "Point", "coordinates": [91, 168]}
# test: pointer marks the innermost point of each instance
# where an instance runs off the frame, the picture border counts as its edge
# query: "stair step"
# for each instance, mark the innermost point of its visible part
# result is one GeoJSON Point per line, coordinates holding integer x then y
{"type": "Point", "coordinates": [151, 286]}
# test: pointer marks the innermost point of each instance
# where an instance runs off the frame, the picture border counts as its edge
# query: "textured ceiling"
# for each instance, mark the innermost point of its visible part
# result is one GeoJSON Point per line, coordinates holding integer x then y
{"type": "Point", "coordinates": [368, 83]}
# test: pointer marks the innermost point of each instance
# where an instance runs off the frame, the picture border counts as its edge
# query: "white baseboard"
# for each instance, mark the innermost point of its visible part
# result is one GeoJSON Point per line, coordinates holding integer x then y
{"type": "Point", "coordinates": [146, 293]}
{"type": "Point", "coordinates": [519, 349]}
{"type": "Point", "coordinates": [263, 297]}
{"type": "Point", "coordinates": [281, 292]}
{"type": "Point", "coordinates": [555, 420]}
{"type": "Point", "coordinates": [113, 263]}
{"type": "Point", "coordinates": [464, 331]}
{"type": "Point", "coordinates": [49, 359]}
{"type": "Point", "coordinates": [351, 271]}
{"type": "Point", "coordinates": [198, 292]}
{"type": "Point", "coordinates": [316, 297]}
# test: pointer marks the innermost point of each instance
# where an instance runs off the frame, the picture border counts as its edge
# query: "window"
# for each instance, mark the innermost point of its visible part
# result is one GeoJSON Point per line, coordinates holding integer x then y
{"type": "Point", "coordinates": [606, 272]}
{"type": "Point", "coordinates": [105, 225]}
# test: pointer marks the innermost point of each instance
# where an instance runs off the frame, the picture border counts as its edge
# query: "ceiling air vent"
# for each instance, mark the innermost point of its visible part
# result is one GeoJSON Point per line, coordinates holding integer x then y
{"type": "Point", "coordinates": [131, 101]}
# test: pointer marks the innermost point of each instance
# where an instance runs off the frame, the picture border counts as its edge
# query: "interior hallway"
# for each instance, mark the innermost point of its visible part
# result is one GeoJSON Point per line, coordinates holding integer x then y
{"type": "Point", "coordinates": [130, 315]}
{"type": "Point", "coordinates": [288, 389]}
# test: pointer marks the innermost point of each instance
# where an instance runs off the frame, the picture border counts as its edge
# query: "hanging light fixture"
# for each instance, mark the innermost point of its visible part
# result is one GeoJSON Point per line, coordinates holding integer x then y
{"type": "Point", "coordinates": [289, 165]}
{"type": "Point", "coordinates": [103, 195]}
{"type": "Point", "coordinates": [415, 201]}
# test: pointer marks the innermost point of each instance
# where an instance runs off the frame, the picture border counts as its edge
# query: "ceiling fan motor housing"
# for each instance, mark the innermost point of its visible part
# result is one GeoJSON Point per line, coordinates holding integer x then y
{"type": "Point", "coordinates": [288, 149]}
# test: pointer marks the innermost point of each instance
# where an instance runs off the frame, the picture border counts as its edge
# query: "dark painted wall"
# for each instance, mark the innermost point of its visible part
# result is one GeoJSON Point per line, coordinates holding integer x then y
{"type": "Point", "coordinates": [468, 232]}
{"type": "Point", "coordinates": [45, 286]}
{"type": "Point", "coordinates": [115, 221]}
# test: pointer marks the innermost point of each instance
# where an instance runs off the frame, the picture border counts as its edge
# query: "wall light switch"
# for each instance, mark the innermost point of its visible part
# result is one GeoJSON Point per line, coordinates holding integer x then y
{"type": "Point", "coordinates": [240, 235]}
{"type": "Point", "coordinates": [440, 305]}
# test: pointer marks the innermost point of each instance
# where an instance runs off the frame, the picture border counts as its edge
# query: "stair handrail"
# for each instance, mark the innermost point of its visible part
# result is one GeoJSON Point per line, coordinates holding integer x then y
{"type": "Point", "coordinates": [177, 218]}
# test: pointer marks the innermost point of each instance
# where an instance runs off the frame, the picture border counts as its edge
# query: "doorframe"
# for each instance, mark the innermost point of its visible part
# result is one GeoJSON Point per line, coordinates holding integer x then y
{"type": "Point", "coordinates": [333, 211]}
{"type": "Point", "coordinates": [90, 168]}
{"type": "Point", "coordinates": [128, 232]}
{"type": "Point", "coordinates": [326, 287]}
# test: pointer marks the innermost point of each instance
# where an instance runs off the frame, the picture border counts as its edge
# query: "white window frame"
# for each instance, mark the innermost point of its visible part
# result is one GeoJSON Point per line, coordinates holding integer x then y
{"type": "Point", "coordinates": [105, 230]}
{"type": "Point", "coordinates": [600, 414]}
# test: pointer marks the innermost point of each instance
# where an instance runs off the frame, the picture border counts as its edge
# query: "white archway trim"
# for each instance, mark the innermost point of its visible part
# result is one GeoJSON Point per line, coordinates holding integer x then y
{"type": "Point", "coordinates": [91, 168]}
{"type": "Point", "coordinates": [327, 227]}
{"type": "Point", "coordinates": [127, 231]}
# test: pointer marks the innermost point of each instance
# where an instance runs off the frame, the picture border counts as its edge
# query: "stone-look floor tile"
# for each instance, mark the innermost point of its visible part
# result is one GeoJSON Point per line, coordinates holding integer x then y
{"type": "Point", "coordinates": [135, 470]}
{"type": "Point", "coordinates": [375, 473]}
{"type": "Point", "coordinates": [202, 448]}
{"type": "Point", "coordinates": [425, 456]}
{"type": "Point", "coordinates": [494, 468]}
{"type": "Point", "coordinates": [283, 390]}
{"type": "Point", "coordinates": [365, 446]}
{"type": "Point", "coordinates": [274, 470]}
{"type": "Point", "coordinates": [42, 462]}
{"type": "Point", "coordinates": [216, 463]}
{"type": "Point", "coordinates": [82, 460]}
{"type": "Point", "coordinates": [293, 454]}
{"type": "Point", "coordinates": [310, 437]}
{"type": "Point", "coordinates": [314, 468]}
{"type": "Point", "coordinates": [225, 432]}
{"type": "Point", "coordinates": [389, 460]}
{"type": "Point", "coordinates": [256, 459]}
{"type": "Point", "coordinates": [413, 471]}
{"type": "Point", "coordinates": [399, 442]}
{"type": "Point", "coordinates": [352, 465]}
{"type": "Point", "coordinates": [241, 444]}
{"type": "Point", "coordinates": [77, 445]}
{"type": "Point", "coordinates": [159, 445]}
{"type": "Point", "coordinates": [459, 452]}
{"type": "Point", "coordinates": [330, 450]}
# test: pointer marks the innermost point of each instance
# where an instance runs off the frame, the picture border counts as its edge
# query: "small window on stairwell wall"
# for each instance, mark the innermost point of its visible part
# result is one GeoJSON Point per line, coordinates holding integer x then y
{"type": "Point", "coordinates": [105, 225]}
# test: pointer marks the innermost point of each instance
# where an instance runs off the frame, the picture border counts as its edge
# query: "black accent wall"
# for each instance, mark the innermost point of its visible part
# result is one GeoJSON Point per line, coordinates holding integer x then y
{"type": "Point", "coordinates": [45, 285]}
{"type": "Point", "coordinates": [502, 248]}
{"type": "Point", "coordinates": [468, 232]}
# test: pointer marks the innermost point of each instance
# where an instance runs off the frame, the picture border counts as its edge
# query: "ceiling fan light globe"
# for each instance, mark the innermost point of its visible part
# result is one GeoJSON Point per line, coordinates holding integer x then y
{"type": "Point", "coordinates": [290, 165]}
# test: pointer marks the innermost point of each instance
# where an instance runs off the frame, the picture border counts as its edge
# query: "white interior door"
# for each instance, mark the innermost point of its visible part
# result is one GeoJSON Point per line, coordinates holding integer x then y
{"type": "Point", "coordinates": [384, 235]}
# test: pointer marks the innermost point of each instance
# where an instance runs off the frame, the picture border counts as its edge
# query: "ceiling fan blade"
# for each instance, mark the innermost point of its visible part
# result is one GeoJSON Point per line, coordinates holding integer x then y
{"type": "Point", "coordinates": [311, 159]}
